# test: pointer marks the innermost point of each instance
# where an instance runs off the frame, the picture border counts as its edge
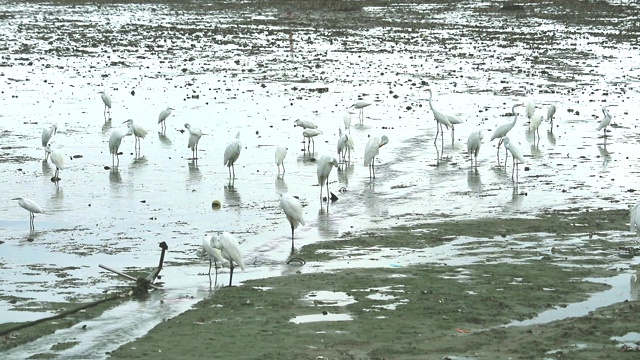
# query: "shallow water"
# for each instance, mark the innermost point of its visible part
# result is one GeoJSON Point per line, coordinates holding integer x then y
{"type": "Point", "coordinates": [257, 74]}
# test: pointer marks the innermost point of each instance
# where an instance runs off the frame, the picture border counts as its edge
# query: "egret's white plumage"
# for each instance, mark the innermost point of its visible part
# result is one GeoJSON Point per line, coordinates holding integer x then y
{"type": "Point", "coordinates": [453, 120]}
{"type": "Point", "coordinates": [502, 130]}
{"type": "Point", "coordinates": [551, 111]}
{"type": "Point", "coordinates": [536, 120]}
{"type": "Point", "coordinates": [310, 134]}
{"type": "Point", "coordinates": [47, 133]}
{"type": "Point", "coordinates": [346, 119]}
{"type": "Point", "coordinates": [293, 210]}
{"type": "Point", "coordinates": [473, 144]}
{"type": "Point", "coordinates": [371, 150]}
{"type": "Point", "coordinates": [164, 114]}
{"type": "Point", "coordinates": [325, 164]}
{"type": "Point", "coordinates": [214, 255]}
{"type": "Point", "coordinates": [32, 207]}
{"type": "Point", "coordinates": [606, 120]}
{"type": "Point", "coordinates": [344, 146]}
{"type": "Point", "coordinates": [194, 136]}
{"type": "Point", "coordinates": [531, 110]}
{"type": "Point", "coordinates": [635, 219]}
{"type": "Point", "coordinates": [107, 103]}
{"type": "Point", "coordinates": [360, 105]}
{"type": "Point", "coordinates": [138, 132]}
{"type": "Point", "coordinates": [305, 124]}
{"type": "Point", "coordinates": [441, 119]}
{"type": "Point", "coordinates": [114, 143]}
{"type": "Point", "coordinates": [230, 249]}
{"type": "Point", "coordinates": [57, 158]}
{"type": "Point", "coordinates": [231, 154]}
{"type": "Point", "coordinates": [515, 153]}
{"type": "Point", "coordinates": [281, 153]}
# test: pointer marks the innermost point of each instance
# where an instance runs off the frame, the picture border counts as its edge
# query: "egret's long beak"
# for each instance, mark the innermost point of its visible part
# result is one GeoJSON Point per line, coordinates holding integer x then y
{"type": "Point", "coordinates": [16, 199]}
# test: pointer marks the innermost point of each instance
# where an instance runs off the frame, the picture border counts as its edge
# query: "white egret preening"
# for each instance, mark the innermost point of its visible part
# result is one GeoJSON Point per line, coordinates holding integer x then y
{"type": "Point", "coordinates": [360, 105]}
{"type": "Point", "coordinates": [31, 207]}
{"type": "Point", "coordinates": [344, 146]}
{"type": "Point", "coordinates": [214, 255]}
{"type": "Point", "coordinates": [634, 224]}
{"type": "Point", "coordinates": [515, 153]}
{"type": "Point", "coordinates": [441, 119]}
{"type": "Point", "coordinates": [138, 132]}
{"type": "Point", "coordinates": [114, 143]}
{"type": "Point", "coordinates": [47, 133]}
{"type": "Point", "coordinates": [231, 154]}
{"type": "Point", "coordinates": [502, 130]}
{"type": "Point", "coordinates": [551, 111]}
{"type": "Point", "coordinates": [194, 136]}
{"type": "Point", "coordinates": [371, 150]}
{"type": "Point", "coordinates": [230, 248]}
{"type": "Point", "coordinates": [293, 210]}
{"type": "Point", "coordinates": [310, 134]}
{"type": "Point", "coordinates": [473, 145]}
{"type": "Point", "coordinates": [164, 114]}
{"type": "Point", "coordinates": [107, 105]}
{"type": "Point", "coordinates": [281, 153]}
{"type": "Point", "coordinates": [536, 120]}
{"type": "Point", "coordinates": [325, 164]}
{"type": "Point", "coordinates": [57, 158]}
{"type": "Point", "coordinates": [606, 120]}
{"type": "Point", "coordinates": [531, 110]}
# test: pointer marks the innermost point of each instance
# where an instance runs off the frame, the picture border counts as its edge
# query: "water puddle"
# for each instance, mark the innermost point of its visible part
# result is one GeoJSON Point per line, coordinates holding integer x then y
{"type": "Point", "coordinates": [302, 319]}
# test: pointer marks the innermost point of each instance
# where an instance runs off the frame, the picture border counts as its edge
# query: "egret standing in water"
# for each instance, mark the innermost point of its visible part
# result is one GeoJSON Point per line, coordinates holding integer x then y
{"type": "Point", "coordinates": [515, 153]}
{"type": "Point", "coordinates": [281, 153]}
{"type": "Point", "coordinates": [230, 249]}
{"type": "Point", "coordinates": [194, 136]}
{"type": "Point", "coordinates": [346, 119]}
{"type": "Point", "coordinates": [164, 114]}
{"type": "Point", "coordinates": [305, 124]}
{"type": "Point", "coordinates": [371, 150]}
{"type": "Point", "coordinates": [606, 120]}
{"type": "Point", "coordinates": [441, 119]}
{"type": "Point", "coordinates": [360, 105]}
{"type": "Point", "coordinates": [107, 105]}
{"type": "Point", "coordinates": [531, 110]}
{"type": "Point", "coordinates": [293, 210]}
{"type": "Point", "coordinates": [138, 132]}
{"type": "Point", "coordinates": [58, 160]}
{"type": "Point", "coordinates": [214, 255]}
{"type": "Point", "coordinates": [231, 154]}
{"type": "Point", "coordinates": [551, 111]}
{"type": "Point", "coordinates": [325, 164]}
{"type": "Point", "coordinates": [344, 146]}
{"type": "Point", "coordinates": [31, 207]}
{"type": "Point", "coordinates": [310, 134]}
{"type": "Point", "coordinates": [47, 133]}
{"type": "Point", "coordinates": [114, 143]}
{"type": "Point", "coordinates": [536, 120]}
{"type": "Point", "coordinates": [473, 145]}
{"type": "Point", "coordinates": [502, 130]}
{"type": "Point", "coordinates": [634, 224]}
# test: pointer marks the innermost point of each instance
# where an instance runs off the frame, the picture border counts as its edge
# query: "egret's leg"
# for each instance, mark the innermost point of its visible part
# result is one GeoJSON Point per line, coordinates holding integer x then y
{"type": "Point", "coordinates": [437, 132]}
{"type": "Point", "coordinates": [292, 242]}
{"type": "Point", "coordinates": [231, 274]}
{"type": "Point", "coordinates": [210, 271]}
{"type": "Point", "coordinates": [373, 169]}
{"type": "Point", "coordinates": [283, 170]}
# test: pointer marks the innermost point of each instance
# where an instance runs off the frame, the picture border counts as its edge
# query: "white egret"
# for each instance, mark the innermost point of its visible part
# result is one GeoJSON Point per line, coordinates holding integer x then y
{"type": "Point", "coordinates": [164, 114]}
{"type": "Point", "coordinates": [281, 153]}
{"type": "Point", "coordinates": [194, 136]}
{"type": "Point", "coordinates": [310, 134]}
{"type": "Point", "coordinates": [634, 224]}
{"type": "Point", "coordinates": [231, 154]}
{"type": "Point", "coordinates": [551, 111]}
{"type": "Point", "coordinates": [346, 119]}
{"type": "Point", "coordinates": [325, 164]}
{"type": "Point", "coordinates": [606, 120]}
{"type": "Point", "coordinates": [138, 132]}
{"type": "Point", "coordinates": [230, 248]}
{"type": "Point", "coordinates": [57, 158]}
{"type": "Point", "coordinates": [293, 210]}
{"type": "Point", "coordinates": [114, 143]}
{"type": "Point", "coordinates": [473, 145]}
{"type": "Point", "coordinates": [371, 150]}
{"type": "Point", "coordinates": [31, 207]}
{"type": "Point", "coordinates": [453, 120]}
{"type": "Point", "coordinates": [441, 119]}
{"type": "Point", "coordinates": [214, 255]}
{"type": "Point", "coordinates": [502, 130]}
{"type": "Point", "coordinates": [360, 105]}
{"type": "Point", "coordinates": [515, 153]}
{"type": "Point", "coordinates": [47, 133]}
{"type": "Point", "coordinates": [344, 146]}
{"type": "Point", "coordinates": [305, 124]}
{"type": "Point", "coordinates": [536, 120]}
{"type": "Point", "coordinates": [531, 110]}
{"type": "Point", "coordinates": [107, 104]}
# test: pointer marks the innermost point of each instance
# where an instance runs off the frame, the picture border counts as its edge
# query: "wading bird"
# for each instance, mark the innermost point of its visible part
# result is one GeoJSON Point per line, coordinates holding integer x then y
{"type": "Point", "coordinates": [46, 136]}
{"type": "Point", "coordinates": [536, 120]}
{"type": "Point", "coordinates": [214, 255]}
{"type": "Point", "coordinates": [551, 111]}
{"type": "Point", "coordinates": [441, 119]}
{"type": "Point", "coordinates": [58, 160]}
{"type": "Point", "coordinates": [138, 132]}
{"type": "Point", "coordinates": [360, 105]}
{"type": "Point", "coordinates": [281, 153]}
{"type": "Point", "coordinates": [635, 219]}
{"type": "Point", "coordinates": [371, 150]}
{"type": "Point", "coordinates": [31, 207]}
{"type": "Point", "coordinates": [606, 120]}
{"type": "Point", "coordinates": [515, 153]}
{"type": "Point", "coordinates": [346, 119]}
{"type": "Point", "coordinates": [293, 210]}
{"type": "Point", "coordinates": [231, 154]}
{"type": "Point", "coordinates": [107, 105]}
{"type": "Point", "coordinates": [164, 114]}
{"type": "Point", "coordinates": [228, 245]}
{"type": "Point", "coordinates": [345, 145]}
{"type": "Point", "coordinates": [310, 134]}
{"type": "Point", "coordinates": [502, 130]}
{"type": "Point", "coordinates": [194, 136]}
{"type": "Point", "coordinates": [114, 143]}
{"type": "Point", "coordinates": [473, 145]}
{"type": "Point", "coordinates": [325, 164]}
{"type": "Point", "coordinates": [531, 110]}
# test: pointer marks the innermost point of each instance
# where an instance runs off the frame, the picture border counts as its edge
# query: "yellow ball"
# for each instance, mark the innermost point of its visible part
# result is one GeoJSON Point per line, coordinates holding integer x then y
{"type": "Point", "coordinates": [215, 205]}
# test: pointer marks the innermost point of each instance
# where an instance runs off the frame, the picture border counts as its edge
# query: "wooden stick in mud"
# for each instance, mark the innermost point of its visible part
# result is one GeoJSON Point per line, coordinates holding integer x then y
{"type": "Point", "coordinates": [125, 275]}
